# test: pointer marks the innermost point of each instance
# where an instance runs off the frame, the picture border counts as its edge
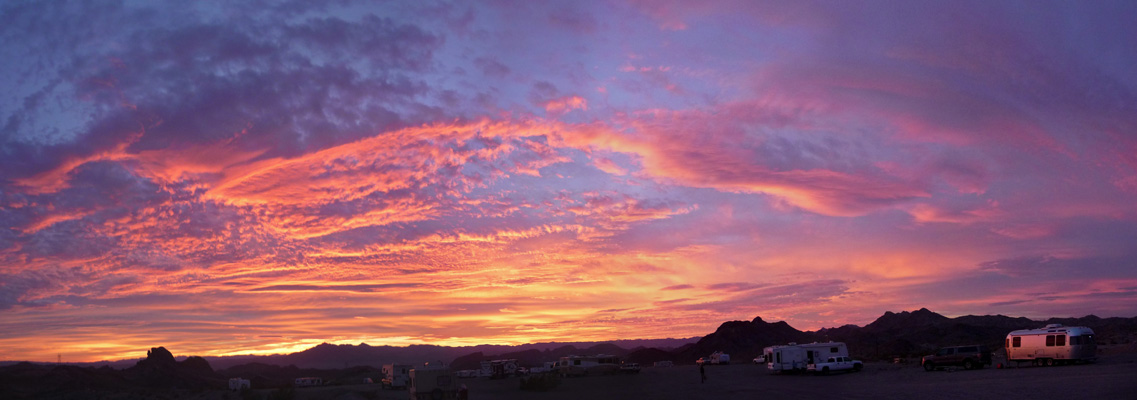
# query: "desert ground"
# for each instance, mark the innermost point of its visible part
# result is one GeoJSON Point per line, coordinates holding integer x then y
{"type": "Point", "coordinates": [1112, 377]}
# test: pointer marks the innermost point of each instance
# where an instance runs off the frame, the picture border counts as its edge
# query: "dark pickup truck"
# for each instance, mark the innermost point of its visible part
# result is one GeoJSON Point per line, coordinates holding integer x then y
{"type": "Point", "coordinates": [968, 357]}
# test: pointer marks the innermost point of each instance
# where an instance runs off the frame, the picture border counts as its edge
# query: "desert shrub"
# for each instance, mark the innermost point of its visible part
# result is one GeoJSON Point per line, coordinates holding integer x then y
{"type": "Point", "coordinates": [283, 394]}
{"type": "Point", "coordinates": [540, 382]}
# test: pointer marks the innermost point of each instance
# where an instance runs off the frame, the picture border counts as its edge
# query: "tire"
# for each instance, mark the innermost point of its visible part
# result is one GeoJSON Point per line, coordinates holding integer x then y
{"type": "Point", "coordinates": [968, 364]}
{"type": "Point", "coordinates": [1049, 362]}
{"type": "Point", "coordinates": [857, 367]}
{"type": "Point", "coordinates": [929, 367]}
{"type": "Point", "coordinates": [436, 394]}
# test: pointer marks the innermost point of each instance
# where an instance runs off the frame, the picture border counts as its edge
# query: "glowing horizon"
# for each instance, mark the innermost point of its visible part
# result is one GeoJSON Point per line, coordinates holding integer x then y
{"type": "Point", "coordinates": [237, 179]}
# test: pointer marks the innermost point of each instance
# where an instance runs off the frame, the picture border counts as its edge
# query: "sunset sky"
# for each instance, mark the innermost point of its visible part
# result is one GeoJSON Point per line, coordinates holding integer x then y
{"type": "Point", "coordinates": [260, 178]}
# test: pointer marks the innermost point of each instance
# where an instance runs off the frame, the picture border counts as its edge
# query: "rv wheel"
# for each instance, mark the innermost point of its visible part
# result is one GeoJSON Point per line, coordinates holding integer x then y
{"type": "Point", "coordinates": [1049, 362]}
{"type": "Point", "coordinates": [968, 364]}
{"type": "Point", "coordinates": [929, 366]}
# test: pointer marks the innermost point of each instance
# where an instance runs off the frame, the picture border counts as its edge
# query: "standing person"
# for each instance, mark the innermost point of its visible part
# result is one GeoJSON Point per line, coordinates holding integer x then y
{"type": "Point", "coordinates": [463, 392]}
{"type": "Point", "coordinates": [703, 373]}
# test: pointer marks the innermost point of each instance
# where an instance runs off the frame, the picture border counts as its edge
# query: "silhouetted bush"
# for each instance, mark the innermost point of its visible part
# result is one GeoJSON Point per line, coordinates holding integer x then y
{"type": "Point", "coordinates": [540, 382]}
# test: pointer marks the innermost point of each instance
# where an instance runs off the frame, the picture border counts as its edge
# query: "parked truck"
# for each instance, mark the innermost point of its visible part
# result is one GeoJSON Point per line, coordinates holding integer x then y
{"type": "Point", "coordinates": [835, 364]}
{"type": "Point", "coordinates": [1052, 344]}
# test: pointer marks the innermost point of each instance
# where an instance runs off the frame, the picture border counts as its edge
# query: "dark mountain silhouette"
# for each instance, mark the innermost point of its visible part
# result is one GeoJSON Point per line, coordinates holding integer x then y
{"type": "Point", "coordinates": [904, 334]}
{"type": "Point", "coordinates": [158, 373]}
{"type": "Point", "coordinates": [331, 356]}
{"type": "Point", "coordinates": [904, 321]}
{"type": "Point", "coordinates": [160, 369]}
{"type": "Point", "coordinates": [742, 340]}
{"type": "Point", "coordinates": [537, 358]}
{"type": "Point", "coordinates": [649, 356]}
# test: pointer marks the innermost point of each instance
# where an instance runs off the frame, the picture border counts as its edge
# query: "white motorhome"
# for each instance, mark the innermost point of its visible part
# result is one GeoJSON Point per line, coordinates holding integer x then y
{"type": "Point", "coordinates": [795, 357]}
{"type": "Point", "coordinates": [396, 375]}
{"type": "Point", "coordinates": [599, 364]}
{"type": "Point", "coordinates": [1053, 344]}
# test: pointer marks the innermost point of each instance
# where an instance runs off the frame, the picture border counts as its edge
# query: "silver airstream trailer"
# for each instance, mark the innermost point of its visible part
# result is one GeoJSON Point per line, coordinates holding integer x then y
{"type": "Point", "coordinates": [1053, 344]}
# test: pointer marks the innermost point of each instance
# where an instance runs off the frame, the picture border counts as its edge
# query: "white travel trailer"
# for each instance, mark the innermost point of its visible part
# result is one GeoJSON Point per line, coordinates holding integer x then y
{"type": "Point", "coordinates": [600, 364]}
{"type": "Point", "coordinates": [1053, 344]}
{"type": "Point", "coordinates": [396, 375]}
{"type": "Point", "coordinates": [308, 381]}
{"type": "Point", "coordinates": [795, 357]}
{"type": "Point", "coordinates": [236, 384]}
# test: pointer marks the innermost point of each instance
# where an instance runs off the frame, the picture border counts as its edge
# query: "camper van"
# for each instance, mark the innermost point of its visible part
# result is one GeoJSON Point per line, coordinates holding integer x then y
{"type": "Point", "coordinates": [433, 383]}
{"type": "Point", "coordinates": [795, 357]}
{"type": "Point", "coordinates": [600, 364]}
{"type": "Point", "coordinates": [396, 375]}
{"type": "Point", "coordinates": [1053, 344]}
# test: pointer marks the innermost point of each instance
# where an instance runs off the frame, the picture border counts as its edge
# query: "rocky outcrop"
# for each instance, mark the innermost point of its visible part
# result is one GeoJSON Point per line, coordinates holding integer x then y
{"type": "Point", "coordinates": [161, 369]}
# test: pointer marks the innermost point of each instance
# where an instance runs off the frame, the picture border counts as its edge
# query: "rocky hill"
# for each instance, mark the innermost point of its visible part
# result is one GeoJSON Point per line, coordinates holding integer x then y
{"type": "Point", "coordinates": [742, 340]}
{"type": "Point", "coordinates": [159, 372]}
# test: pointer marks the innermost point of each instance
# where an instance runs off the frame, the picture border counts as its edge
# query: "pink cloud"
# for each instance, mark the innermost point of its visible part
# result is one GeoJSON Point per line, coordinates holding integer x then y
{"type": "Point", "coordinates": [566, 104]}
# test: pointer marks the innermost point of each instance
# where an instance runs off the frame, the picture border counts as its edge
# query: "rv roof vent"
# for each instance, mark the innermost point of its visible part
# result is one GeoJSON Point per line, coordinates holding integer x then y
{"type": "Point", "coordinates": [1053, 326]}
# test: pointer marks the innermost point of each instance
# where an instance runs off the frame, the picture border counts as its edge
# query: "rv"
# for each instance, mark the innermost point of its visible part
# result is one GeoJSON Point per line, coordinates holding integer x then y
{"type": "Point", "coordinates": [715, 358]}
{"type": "Point", "coordinates": [433, 383]}
{"type": "Point", "coordinates": [308, 381]}
{"type": "Point", "coordinates": [1053, 344]}
{"type": "Point", "coordinates": [501, 369]}
{"type": "Point", "coordinates": [795, 357]}
{"type": "Point", "coordinates": [396, 375]}
{"type": "Point", "coordinates": [601, 364]}
{"type": "Point", "coordinates": [236, 384]}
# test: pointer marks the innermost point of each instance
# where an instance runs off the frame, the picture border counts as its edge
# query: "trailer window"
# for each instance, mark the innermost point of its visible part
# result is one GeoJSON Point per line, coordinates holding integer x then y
{"type": "Point", "coordinates": [1049, 340]}
{"type": "Point", "coordinates": [832, 349]}
{"type": "Point", "coordinates": [1017, 342]}
{"type": "Point", "coordinates": [1060, 340]}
